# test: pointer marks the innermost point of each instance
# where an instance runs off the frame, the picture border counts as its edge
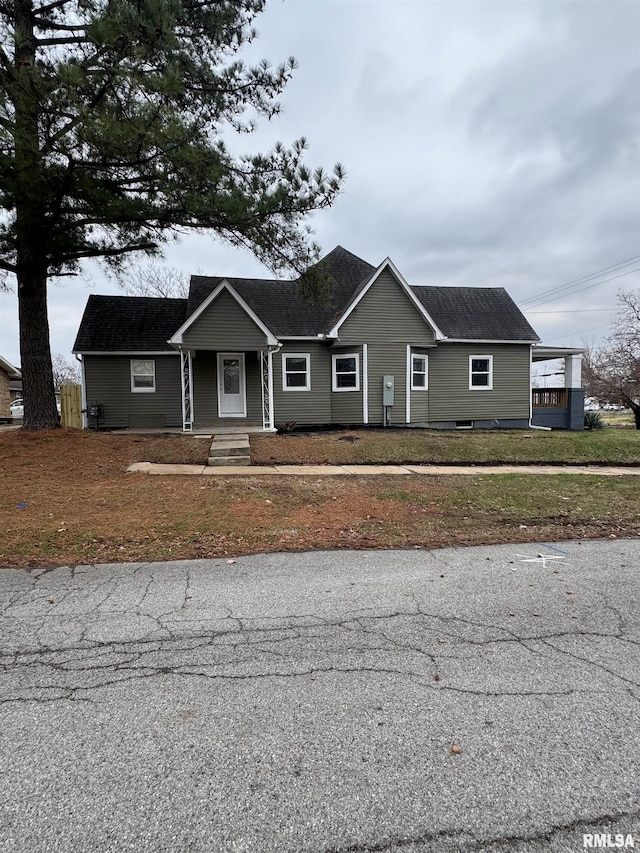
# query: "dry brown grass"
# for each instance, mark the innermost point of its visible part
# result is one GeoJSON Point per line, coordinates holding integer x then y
{"type": "Point", "coordinates": [66, 499]}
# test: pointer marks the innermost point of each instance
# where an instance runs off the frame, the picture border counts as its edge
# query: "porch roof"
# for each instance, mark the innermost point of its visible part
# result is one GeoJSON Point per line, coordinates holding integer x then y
{"type": "Point", "coordinates": [542, 353]}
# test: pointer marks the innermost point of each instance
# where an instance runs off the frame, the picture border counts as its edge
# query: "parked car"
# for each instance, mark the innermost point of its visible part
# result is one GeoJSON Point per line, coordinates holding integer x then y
{"type": "Point", "coordinates": [17, 408]}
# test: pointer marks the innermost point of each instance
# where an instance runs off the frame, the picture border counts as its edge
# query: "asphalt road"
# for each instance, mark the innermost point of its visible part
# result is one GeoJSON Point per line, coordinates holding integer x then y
{"type": "Point", "coordinates": [310, 702]}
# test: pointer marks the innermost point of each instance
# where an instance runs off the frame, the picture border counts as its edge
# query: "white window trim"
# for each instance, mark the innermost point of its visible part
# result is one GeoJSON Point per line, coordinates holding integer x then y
{"type": "Point", "coordinates": [307, 358]}
{"type": "Point", "coordinates": [135, 390]}
{"type": "Point", "coordinates": [488, 387]}
{"type": "Point", "coordinates": [334, 375]}
{"type": "Point", "coordinates": [425, 357]}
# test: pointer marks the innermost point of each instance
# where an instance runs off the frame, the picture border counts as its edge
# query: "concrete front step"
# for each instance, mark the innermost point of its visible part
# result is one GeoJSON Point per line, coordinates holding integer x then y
{"type": "Point", "coordinates": [229, 448]}
{"type": "Point", "coordinates": [231, 436]}
{"type": "Point", "coordinates": [229, 460]}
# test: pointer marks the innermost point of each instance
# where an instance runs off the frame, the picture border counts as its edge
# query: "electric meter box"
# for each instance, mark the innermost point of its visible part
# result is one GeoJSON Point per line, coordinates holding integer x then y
{"type": "Point", "coordinates": [388, 387]}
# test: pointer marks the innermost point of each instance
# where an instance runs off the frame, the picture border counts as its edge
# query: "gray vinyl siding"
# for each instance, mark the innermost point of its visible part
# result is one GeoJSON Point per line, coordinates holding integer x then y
{"type": "Point", "coordinates": [387, 320]}
{"type": "Point", "coordinates": [419, 407]}
{"type": "Point", "coordinates": [450, 398]}
{"type": "Point", "coordinates": [304, 407]}
{"type": "Point", "coordinates": [386, 314]}
{"type": "Point", "coordinates": [387, 359]}
{"type": "Point", "coordinates": [224, 326]}
{"type": "Point", "coordinates": [205, 389]}
{"type": "Point", "coordinates": [346, 406]}
{"type": "Point", "coordinates": [108, 381]}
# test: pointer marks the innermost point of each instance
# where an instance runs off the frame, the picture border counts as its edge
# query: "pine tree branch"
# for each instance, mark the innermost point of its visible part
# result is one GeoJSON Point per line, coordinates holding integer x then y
{"type": "Point", "coordinates": [48, 7]}
{"type": "Point", "coordinates": [59, 42]}
{"type": "Point", "coordinates": [47, 24]}
{"type": "Point", "coordinates": [102, 252]}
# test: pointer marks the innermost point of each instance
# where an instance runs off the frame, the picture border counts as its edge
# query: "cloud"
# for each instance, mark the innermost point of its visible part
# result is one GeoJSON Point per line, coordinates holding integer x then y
{"type": "Point", "coordinates": [489, 143]}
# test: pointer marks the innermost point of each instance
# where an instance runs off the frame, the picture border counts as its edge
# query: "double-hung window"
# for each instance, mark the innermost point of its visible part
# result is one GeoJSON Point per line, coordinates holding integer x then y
{"type": "Point", "coordinates": [480, 372]}
{"type": "Point", "coordinates": [419, 373]}
{"type": "Point", "coordinates": [346, 372]}
{"type": "Point", "coordinates": [143, 375]}
{"type": "Point", "coordinates": [296, 371]}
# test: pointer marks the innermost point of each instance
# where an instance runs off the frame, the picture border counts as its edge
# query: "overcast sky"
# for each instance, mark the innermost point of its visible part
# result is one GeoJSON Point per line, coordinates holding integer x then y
{"type": "Point", "coordinates": [486, 144]}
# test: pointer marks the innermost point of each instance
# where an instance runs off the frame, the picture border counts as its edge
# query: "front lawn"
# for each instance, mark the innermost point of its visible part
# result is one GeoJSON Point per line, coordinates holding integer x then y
{"type": "Point", "coordinates": [66, 499]}
{"type": "Point", "coordinates": [466, 447]}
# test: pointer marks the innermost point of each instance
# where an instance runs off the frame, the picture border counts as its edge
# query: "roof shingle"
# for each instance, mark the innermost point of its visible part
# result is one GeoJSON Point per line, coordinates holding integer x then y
{"type": "Point", "coordinates": [279, 304]}
{"type": "Point", "coordinates": [130, 323]}
{"type": "Point", "coordinates": [475, 313]}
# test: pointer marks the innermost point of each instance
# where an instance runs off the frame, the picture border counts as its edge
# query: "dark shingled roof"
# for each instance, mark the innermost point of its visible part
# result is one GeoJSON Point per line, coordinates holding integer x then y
{"type": "Point", "coordinates": [278, 303]}
{"type": "Point", "coordinates": [475, 313]}
{"type": "Point", "coordinates": [129, 323]}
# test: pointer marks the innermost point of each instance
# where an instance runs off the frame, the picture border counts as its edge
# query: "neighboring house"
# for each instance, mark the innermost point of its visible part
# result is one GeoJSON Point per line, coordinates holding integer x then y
{"type": "Point", "coordinates": [10, 377]}
{"type": "Point", "coordinates": [252, 352]}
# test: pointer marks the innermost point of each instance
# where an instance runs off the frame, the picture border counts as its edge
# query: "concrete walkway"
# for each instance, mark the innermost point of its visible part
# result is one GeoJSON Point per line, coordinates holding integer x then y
{"type": "Point", "coordinates": [373, 470]}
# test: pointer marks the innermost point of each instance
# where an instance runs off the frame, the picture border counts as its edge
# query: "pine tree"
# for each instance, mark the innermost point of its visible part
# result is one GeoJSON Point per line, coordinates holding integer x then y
{"type": "Point", "coordinates": [112, 117]}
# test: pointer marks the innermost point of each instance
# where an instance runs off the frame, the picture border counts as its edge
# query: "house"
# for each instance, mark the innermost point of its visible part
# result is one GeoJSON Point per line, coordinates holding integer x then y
{"type": "Point", "coordinates": [10, 381]}
{"type": "Point", "coordinates": [252, 352]}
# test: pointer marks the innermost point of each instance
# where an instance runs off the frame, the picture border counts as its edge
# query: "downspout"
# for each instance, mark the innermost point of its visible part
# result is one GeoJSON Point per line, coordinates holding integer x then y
{"type": "Point", "coordinates": [270, 354]}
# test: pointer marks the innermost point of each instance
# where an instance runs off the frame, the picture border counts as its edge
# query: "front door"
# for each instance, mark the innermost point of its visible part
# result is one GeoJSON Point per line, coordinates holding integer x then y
{"type": "Point", "coordinates": [232, 390]}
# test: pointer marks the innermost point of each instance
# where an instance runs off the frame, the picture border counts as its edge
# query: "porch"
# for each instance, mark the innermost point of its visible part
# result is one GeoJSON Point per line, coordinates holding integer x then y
{"type": "Point", "coordinates": [227, 392]}
{"type": "Point", "coordinates": [563, 407]}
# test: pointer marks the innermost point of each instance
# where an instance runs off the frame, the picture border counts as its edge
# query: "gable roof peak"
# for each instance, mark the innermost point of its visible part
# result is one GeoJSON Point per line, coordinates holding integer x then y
{"type": "Point", "coordinates": [340, 250]}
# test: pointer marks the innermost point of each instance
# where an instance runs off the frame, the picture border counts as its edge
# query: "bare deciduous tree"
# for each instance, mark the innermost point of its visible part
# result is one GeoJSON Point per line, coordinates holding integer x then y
{"type": "Point", "coordinates": [64, 372]}
{"type": "Point", "coordinates": [612, 370]}
{"type": "Point", "coordinates": [155, 280]}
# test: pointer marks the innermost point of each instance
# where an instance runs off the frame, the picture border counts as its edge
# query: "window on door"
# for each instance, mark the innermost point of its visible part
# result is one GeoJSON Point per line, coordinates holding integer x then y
{"type": "Point", "coordinates": [231, 375]}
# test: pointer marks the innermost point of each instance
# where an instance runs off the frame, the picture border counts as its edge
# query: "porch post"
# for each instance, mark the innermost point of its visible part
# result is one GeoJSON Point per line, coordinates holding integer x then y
{"type": "Point", "coordinates": [187, 394]}
{"type": "Point", "coordinates": [573, 371]}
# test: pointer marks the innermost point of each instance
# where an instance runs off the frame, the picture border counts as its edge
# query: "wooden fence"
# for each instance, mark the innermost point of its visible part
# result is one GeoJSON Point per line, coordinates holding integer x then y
{"type": "Point", "coordinates": [71, 406]}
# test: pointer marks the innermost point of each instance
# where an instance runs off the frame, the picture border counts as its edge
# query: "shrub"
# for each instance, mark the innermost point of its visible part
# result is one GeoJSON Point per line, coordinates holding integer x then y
{"type": "Point", "coordinates": [593, 420]}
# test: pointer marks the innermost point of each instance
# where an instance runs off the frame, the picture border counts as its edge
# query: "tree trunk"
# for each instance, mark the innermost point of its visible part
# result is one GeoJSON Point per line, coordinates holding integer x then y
{"type": "Point", "coordinates": [635, 408]}
{"type": "Point", "coordinates": [40, 410]}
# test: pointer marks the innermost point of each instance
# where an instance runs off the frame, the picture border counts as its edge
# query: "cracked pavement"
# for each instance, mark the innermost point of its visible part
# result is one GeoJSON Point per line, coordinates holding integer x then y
{"type": "Point", "coordinates": [310, 702]}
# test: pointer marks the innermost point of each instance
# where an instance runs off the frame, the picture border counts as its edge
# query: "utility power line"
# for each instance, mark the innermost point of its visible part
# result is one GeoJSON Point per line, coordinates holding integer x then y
{"type": "Point", "coordinates": [576, 290]}
{"type": "Point", "coordinates": [576, 281]}
{"type": "Point", "coordinates": [572, 310]}
{"type": "Point", "coordinates": [581, 332]}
